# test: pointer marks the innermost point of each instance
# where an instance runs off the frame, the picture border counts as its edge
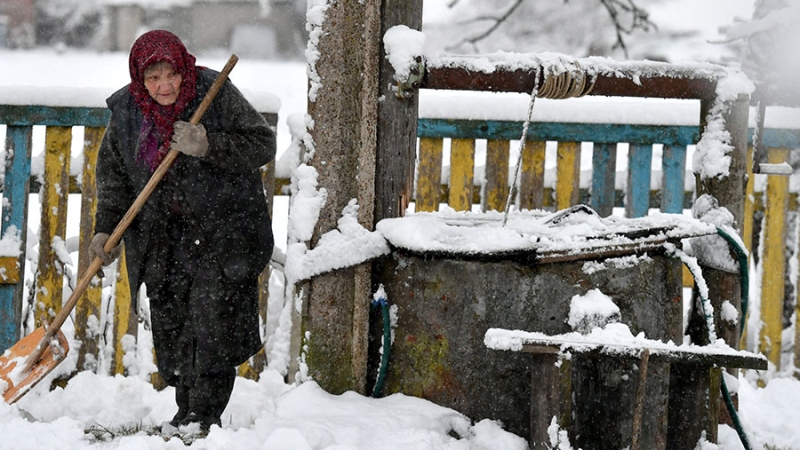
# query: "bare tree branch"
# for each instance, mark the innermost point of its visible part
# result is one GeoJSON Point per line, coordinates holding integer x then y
{"type": "Point", "coordinates": [618, 11]}
{"type": "Point", "coordinates": [497, 22]}
{"type": "Point", "coordinates": [639, 20]}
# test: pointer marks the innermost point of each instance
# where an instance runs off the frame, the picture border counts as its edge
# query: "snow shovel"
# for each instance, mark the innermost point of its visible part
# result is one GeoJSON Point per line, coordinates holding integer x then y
{"type": "Point", "coordinates": [28, 361]}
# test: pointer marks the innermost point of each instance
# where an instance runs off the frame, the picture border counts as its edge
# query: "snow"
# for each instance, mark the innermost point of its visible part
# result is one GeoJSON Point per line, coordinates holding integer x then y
{"type": "Point", "coordinates": [271, 414]}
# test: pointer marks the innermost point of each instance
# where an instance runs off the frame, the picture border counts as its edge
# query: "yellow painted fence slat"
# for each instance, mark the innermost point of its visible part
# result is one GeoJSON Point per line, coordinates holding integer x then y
{"type": "Point", "coordinates": [54, 196]}
{"type": "Point", "coordinates": [462, 163]}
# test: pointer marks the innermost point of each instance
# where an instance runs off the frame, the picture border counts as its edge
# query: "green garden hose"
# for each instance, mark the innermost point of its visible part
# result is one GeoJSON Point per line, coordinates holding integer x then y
{"type": "Point", "coordinates": [387, 345]}
{"type": "Point", "coordinates": [741, 255]}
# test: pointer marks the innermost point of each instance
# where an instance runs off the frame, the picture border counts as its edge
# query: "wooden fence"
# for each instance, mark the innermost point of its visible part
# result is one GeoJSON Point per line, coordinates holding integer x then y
{"type": "Point", "coordinates": [461, 192]}
{"type": "Point", "coordinates": [766, 211]}
{"type": "Point", "coordinates": [52, 278]}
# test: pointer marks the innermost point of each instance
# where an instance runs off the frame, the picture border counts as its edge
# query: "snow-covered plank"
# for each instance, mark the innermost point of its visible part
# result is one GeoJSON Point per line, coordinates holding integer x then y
{"type": "Point", "coordinates": [602, 343]}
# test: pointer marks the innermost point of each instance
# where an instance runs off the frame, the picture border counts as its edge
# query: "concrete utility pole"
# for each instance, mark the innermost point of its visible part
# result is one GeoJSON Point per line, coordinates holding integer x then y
{"type": "Point", "coordinates": [347, 141]}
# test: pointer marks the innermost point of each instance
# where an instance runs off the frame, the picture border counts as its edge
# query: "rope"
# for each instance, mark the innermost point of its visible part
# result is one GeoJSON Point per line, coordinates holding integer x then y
{"type": "Point", "coordinates": [567, 84]}
{"type": "Point", "coordinates": [513, 191]}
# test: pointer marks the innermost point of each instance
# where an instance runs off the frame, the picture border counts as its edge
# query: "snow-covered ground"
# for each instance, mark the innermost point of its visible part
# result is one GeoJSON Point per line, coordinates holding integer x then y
{"type": "Point", "coordinates": [268, 413]}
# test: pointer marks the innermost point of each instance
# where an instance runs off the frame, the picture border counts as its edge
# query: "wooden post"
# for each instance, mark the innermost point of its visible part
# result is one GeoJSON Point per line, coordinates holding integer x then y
{"type": "Point", "coordinates": [730, 193]}
{"type": "Point", "coordinates": [723, 286]}
{"type": "Point", "coordinates": [345, 115]}
{"type": "Point", "coordinates": [397, 122]}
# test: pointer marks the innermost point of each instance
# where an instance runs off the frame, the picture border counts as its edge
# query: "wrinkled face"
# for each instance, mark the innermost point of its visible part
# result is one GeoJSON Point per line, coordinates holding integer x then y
{"type": "Point", "coordinates": [163, 83]}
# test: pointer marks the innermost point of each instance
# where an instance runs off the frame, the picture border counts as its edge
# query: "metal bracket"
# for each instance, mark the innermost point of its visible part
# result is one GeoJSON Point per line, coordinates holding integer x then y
{"type": "Point", "coordinates": [405, 89]}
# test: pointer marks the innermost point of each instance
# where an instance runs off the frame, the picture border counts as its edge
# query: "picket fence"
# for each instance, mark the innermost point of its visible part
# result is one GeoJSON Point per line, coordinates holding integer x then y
{"type": "Point", "coordinates": [461, 191]}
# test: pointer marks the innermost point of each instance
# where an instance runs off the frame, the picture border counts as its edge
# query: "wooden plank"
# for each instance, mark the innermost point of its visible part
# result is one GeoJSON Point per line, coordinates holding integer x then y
{"type": "Point", "coordinates": [637, 195]}
{"type": "Point", "coordinates": [14, 220]}
{"type": "Point", "coordinates": [772, 282]}
{"type": "Point", "coordinates": [568, 162]}
{"type": "Point", "coordinates": [557, 131]}
{"type": "Point", "coordinates": [604, 168]}
{"type": "Point", "coordinates": [694, 393]}
{"type": "Point", "coordinates": [429, 174]}
{"type": "Point", "coordinates": [462, 163]}
{"type": "Point", "coordinates": [9, 270]}
{"type": "Point", "coordinates": [551, 394]}
{"type": "Point", "coordinates": [496, 192]}
{"type": "Point", "coordinates": [778, 137]}
{"type": "Point", "coordinates": [54, 196]}
{"type": "Point", "coordinates": [672, 356]}
{"type": "Point", "coordinates": [125, 319]}
{"type": "Point", "coordinates": [673, 178]}
{"type": "Point", "coordinates": [87, 311]}
{"type": "Point", "coordinates": [531, 179]}
{"type": "Point", "coordinates": [61, 116]}
{"type": "Point", "coordinates": [747, 224]}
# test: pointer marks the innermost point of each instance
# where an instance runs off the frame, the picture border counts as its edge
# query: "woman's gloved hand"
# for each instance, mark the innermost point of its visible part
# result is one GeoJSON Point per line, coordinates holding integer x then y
{"type": "Point", "coordinates": [96, 249]}
{"type": "Point", "coordinates": [190, 139]}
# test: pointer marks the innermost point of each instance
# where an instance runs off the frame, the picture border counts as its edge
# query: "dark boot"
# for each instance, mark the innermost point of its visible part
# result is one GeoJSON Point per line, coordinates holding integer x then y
{"type": "Point", "coordinates": [182, 399]}
{"type": "Point", "coordinates": [208, 398]}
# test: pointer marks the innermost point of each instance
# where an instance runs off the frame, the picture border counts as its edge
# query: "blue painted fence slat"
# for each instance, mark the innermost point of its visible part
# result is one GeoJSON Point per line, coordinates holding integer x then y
{"type": "Point", "coordinates": [15, 206]}
{"type": "Point", "coordinates": [673, 168]}
{"type": "Point", "coordinates": [779, 137]}
{"type": "Point", "coordinates": [637, 196]}
{"type": "Point", "coordinates": [604, 164]}
{"type": "Point", "coordinates": [551, 131]}
{"type": "Point", "coordinates": [60, 116]}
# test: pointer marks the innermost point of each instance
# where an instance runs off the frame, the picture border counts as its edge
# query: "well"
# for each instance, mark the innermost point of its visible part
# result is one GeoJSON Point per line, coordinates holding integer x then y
{"type": "Point", "coordinates": [448, 296]}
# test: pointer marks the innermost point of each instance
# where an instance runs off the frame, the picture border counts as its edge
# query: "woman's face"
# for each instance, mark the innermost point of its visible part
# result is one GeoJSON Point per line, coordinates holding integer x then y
{"type": "Point", "coordinates": [163, 83]}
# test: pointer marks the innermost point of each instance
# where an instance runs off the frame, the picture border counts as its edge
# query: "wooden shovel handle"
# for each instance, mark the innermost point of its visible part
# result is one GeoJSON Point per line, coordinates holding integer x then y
{"type": "Point", "coordinates": [123, 225]}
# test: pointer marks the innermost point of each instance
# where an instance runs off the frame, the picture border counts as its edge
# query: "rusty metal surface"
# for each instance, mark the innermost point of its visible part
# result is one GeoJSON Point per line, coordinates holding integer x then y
{"type": "Point", "coordinates": [521, 80]}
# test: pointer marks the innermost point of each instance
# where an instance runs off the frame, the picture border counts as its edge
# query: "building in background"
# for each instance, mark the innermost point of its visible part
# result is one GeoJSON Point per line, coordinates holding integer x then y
{"type": "Point", "coordinates": [17, 24]}
{"type": "Point", "coordinates": [250, 28]}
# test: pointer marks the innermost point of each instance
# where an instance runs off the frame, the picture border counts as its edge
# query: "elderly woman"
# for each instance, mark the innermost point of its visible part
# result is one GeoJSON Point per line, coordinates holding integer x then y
{"type": "Point", "coordinates": [204, 236]}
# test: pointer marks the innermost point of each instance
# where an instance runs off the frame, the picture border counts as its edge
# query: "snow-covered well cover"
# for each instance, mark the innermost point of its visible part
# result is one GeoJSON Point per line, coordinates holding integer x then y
{"type": "Point", "coordinates": [571, 231]}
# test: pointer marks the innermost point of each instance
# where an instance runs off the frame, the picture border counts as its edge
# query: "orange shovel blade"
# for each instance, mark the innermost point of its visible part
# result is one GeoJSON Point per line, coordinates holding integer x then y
{"type": "Point", "coordinates": [14, 381]}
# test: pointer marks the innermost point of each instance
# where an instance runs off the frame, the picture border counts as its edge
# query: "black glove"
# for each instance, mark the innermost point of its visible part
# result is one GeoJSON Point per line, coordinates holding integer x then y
{"type": "Point", "coordinates": [190, 139]}
{"type": "Point", "coordinates": [96, 249]}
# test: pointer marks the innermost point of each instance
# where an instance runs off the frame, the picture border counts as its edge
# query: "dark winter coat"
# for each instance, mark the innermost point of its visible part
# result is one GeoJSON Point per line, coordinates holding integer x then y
{"type": "Point", "coordinates": [221, 194]}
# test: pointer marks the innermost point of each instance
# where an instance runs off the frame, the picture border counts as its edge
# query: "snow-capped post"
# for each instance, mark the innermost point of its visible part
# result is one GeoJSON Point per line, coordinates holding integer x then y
{"type": "Point", "coordinates": [721, 174]}
{"type": "Point", "coordinates": [346, 81]}
{"type": "Point", "coordinates": [397, 116]}
{"type": "Point", "coordinates": [720, 178]}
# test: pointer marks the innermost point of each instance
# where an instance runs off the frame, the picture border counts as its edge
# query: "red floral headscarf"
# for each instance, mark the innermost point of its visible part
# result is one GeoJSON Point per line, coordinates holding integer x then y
{"type": "Point", "coordinates": [152, 47]}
